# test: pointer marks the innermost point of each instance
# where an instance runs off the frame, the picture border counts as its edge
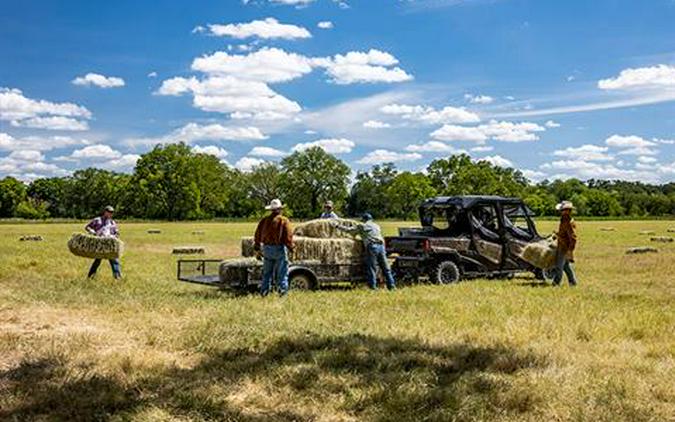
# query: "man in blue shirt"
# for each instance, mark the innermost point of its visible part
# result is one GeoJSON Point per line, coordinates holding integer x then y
{"type": "Point", "coordinates": [328, 212]}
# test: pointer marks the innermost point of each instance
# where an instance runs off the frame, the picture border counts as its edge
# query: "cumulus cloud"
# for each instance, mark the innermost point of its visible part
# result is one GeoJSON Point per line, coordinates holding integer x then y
{"type": "Point", "coordinates": [376, 124]}
{"type": "Point", "coordinates": [28, 165]}
{"type": "Point", "coordinates": [551, 124]}
{"type": "Point", "coordinates": [363, 67]}
{"type": "Point", "coordinates": [482, 148]}
{"type": "Point", "coordinates": [632, 145]}
{"type": "Point", "coordinates": [385, 156]}
{"type": "Point", "coordinates": [592, 170]}
{"type": "Point", "coordinates": [330, 145]}
{"type": "Point", "coordinates": [38, 143]}
{"type": "Point", "coordinates": [246, 164]}
{"type": "Point", "coordinates": [124, 163]}
{"type": "Point", "coordinates": [496, 130]}
{"type": "Point", "coordinates": [266, 152]}
{"type": "Point", "coordinates": [325, 25]}
{"type": "Point", "coordinates": [101, 81]}
{"type": "Point", "coordinates": [193, 132]}
{"type": "Point", "coordinates": [26, 112]}
{"type": "Point", "coordinates": [534, 174]}
{"type": "Point", "coordinates": [430, 115]}
{"type": "Point", "coordinates": [216, 151]}
{"type": "Point", "coordinates": [496, 160]}
{"type": "Point", "coordinates": [269, 28]}
{"type": "Point", "coordinates": [585, 152]}
{"type": "Point", "coordinates": [654, 77]}
{"type": "Point", "coordinates": [478, 99]}
{"type": "Point", "coordinates": [96, 152]}
{"type": "Point", "coordinates": [434, 146]}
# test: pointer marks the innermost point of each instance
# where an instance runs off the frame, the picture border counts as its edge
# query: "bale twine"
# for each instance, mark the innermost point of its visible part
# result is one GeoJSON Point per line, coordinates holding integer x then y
{"type": "Point", "coordinates": [328, 251]}
{"type": "Point", "coordinates": [188, 250]}
{"type": "Point", "coordinates": [662, 239]}
{"type": "Point", "coordinates": [154, 231]}
{"type": "Point", "coordinates": [541, 254]}
{"type": "Point", "coordinates": [647, 232]}
{"type": "Point", "coordinates": [325, 228]}
{"type": "Point", "coordinates": [31, 238]}
{"type": "Point", "coordinates": [641, 249]}
{"type": "Point", "coordinates": [97, 247]}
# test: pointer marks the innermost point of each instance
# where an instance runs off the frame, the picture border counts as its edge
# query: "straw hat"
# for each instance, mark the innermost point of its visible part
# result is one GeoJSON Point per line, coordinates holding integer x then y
{"type": "Point", "coordinates": [564, 205]}
{"type": "Point", "coordinates": [275, 204]}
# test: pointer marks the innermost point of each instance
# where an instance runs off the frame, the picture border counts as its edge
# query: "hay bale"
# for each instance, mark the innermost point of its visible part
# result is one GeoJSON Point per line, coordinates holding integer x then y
{"type": "Point", "coordinates": [97, 247]}
{"type": "Point", "coordinates": [198, 232]}
{"type": "Point", "coordinates": [188, 250]}
{"type": "Point", "coordinates": [662, 239]}
{"type": "Point", "coordinates": [154, 231]}
{"type": "Point", "coordinates": [328, 251]}
{"type": "Point", "coordinates": [607, 229]}
{"type": "Point", "coordinates": [641, 249]}
{"type": "Point", "coordinates": [324, 228]}
{"type": "Point", "coordinates": [647, 232]}
{"type": "Point", "coordinates": [541, 254]}
{"type": "Point", "coordinates": [231, 270]}
{"type": "Point", "coordinates": [31, 238]}
{"type": "Point", "coordinates": [671, 230]}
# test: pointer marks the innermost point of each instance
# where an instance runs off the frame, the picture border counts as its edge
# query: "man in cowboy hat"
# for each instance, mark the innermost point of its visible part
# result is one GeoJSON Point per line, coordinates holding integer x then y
{"type": "Point", "coordinates": [567, 241]}
{"type": "Point", "coordinates": [103, 226]}
{"type": "Point", "coordinates": [275, 235]}
{"type": "Point", "coordinates": [328, 211]}
{"type": "Point", "coordinates": [375, 253]}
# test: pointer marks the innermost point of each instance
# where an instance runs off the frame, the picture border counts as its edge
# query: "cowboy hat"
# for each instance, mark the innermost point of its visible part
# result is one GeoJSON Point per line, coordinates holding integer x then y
{"type": "Point", "coordinates": [564, 205]}
{"type": "Point", "coordinates": [275, 204]}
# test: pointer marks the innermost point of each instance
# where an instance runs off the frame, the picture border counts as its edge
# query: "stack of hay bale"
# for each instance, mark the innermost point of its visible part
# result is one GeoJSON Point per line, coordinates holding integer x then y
{"type": "Point", "coordinates": [97, 247]}
{"type": "Point", "coordinates": [320, 240]}
{"type": "Point", "coordinates": [541, 254]}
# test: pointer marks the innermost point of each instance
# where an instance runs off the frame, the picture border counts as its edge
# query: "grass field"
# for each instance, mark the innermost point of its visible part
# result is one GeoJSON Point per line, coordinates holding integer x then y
{"type": "Point", "coordinates": [150, 348]}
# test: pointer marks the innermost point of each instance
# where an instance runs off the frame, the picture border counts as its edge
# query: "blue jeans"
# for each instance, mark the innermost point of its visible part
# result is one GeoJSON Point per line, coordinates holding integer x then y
{"type": "Point", "coordinates": [114, 264]}
{"type": "Point", "coordinates": [275, 266]}
{"type": "Point", "coordinates": [563, 265]}
{"type": "Point", "coordinates": [376, 256]}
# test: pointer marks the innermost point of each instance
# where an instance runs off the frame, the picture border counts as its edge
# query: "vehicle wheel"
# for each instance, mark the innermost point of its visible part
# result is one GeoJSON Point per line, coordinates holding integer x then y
{"type": "Point", "coordinates": [446, 272]}
{"type": "Point", "coordinates": [301, 281]}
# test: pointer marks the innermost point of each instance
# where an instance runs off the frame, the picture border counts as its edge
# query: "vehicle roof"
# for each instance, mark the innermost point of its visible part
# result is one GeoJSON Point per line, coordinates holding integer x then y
{"type": "Point", "coordinates": [467, 201]}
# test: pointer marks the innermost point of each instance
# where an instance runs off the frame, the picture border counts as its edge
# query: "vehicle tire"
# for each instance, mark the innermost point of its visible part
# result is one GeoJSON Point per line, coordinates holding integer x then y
{"type": "Point", "coordinates": [301, 281]}
{"type": "Point", "coordinates": [445, 272]}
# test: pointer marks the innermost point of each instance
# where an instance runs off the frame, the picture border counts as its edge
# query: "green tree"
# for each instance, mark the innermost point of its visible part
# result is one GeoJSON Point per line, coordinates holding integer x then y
{"type": "Point", "coordinates": [369, 192]}
{"type": "Point", "coordinates": [406, 192]}
{"type": "Point", "coordinates": [311, 177]}
{"type": "Point", "coordinates": [601, 203]}
{"type": "Point", "coordinates": [50, 191]}
{"type": "Point", "coordinates": [12, 193]}
{"type": "Point", "coordinates": [89, 190]}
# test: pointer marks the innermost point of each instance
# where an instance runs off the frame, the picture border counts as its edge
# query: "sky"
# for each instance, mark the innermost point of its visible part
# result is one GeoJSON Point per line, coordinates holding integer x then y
{"type": "Point", "coordinates": [555, 89]}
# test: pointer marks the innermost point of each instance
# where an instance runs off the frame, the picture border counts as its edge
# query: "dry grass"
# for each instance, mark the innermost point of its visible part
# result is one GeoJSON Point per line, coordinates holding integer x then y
{"type": "Point", "coordinates": [152, 349]}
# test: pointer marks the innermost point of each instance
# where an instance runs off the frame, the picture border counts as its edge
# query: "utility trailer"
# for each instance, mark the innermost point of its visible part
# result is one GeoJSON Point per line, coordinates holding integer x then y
{"type": "Point", "coordinates": [302, 275]}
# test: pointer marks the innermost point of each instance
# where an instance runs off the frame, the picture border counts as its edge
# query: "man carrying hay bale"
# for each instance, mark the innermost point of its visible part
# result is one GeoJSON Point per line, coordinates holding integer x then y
{"type": "Point", "coordinates": [328, 212]}
{"type": "Point", "coordinates": [567, 241]}
{"type": "Point", "coordinates": [375, 253]}
{"type": "Point", "coordinates": [275, 234]}
{"type": "Point", "coordinates": [104, 226]}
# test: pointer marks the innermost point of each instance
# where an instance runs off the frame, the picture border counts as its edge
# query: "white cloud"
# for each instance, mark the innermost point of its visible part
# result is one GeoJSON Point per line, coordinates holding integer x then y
{"type": "Point", "coordinates": [638, 151]}
{"type": "Point", "coordinates": [265, 65]}
{"type": "Point", "coordinates": [26, 155]}
{"type": "Point", "coordinates": [269, 28]}
{"type": "Point", "coordinates": [585, 152]}
{"type": "Point", "coordinates": [430, 115]}
{"type": "Point", "coordinates": [551, 124]}
{"type": "Point", "coordinates": [152, 75]}
{"type": "Point", "coordinates": [9, 143]}
{"type": "Point", "coordinates": [478, 99]}
{"type": "Point", "coordinates": [647, 160]}
{"type": "Point", "coordinates": [193, 132]}
{"type": "Point", "coordinates": [95, 79]}
{"type": "Point", "coordinates": [459, 133]}
{"type": "Point", "coordinates": [22, 111]}
{"type": "Point", "coordinates": [96, 152]}
{"type": "Point", "coordinates": [124, 163]}
{"type": "Point", "coordinates": [665, 141]}
{"type": "Point", "coordinates": [247, 164]}
{"type": "Point", "coordinates": [331, 146]}
{"type": "Point", "coordinates": [52, 123]}
{"type": "Point", "coordinates": [482, 148]}
{"type": "Point", "coordinates": [363, 67]}
{"type": "Point", "coordinates": [496, 160]}
{"type": "Point", "coordinates": [216, 151]}
{"type": "Point", "coordinates": [645, 78]}
{"type": "Point", "coordinates": [266, 152]}
{"type": "Point", "coordinates": [534, 175]}
{"type": "Point", "coordinates": [375, 124]}
{"type": "Point", "coordinates": [590, 170]}
{"type": "Point", "coordinates": [433, 146]}
{"type": "Point", "coordinates": [631, 141]}
{"type": "Point", "coordinates": [385, 156]}
{"type": "Point", "coordinates": [499, 131]}
{"type": "Point", "coordinates": [325, 25]}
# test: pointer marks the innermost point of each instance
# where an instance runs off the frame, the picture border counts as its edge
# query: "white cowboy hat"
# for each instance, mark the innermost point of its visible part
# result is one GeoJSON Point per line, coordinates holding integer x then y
{"type": "Point", "coordinates": [564, 205]}
{"type": "Point", "coordinates": [275, 204]}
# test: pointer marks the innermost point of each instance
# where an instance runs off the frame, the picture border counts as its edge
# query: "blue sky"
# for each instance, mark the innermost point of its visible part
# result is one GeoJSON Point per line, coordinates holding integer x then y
{"type": "Point", "coordinates": [555, 89]}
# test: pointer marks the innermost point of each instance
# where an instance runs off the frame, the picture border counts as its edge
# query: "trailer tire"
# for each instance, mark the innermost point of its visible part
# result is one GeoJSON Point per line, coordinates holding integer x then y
{"type": "Point", "coordinates": [301, 281]}
{"type": "Point", "coordinates": [446, 272]}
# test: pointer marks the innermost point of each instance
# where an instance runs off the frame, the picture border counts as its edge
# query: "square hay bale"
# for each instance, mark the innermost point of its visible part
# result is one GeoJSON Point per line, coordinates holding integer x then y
{"type": "Point", "coordinates": [607, 229]}
{"type": "Point", "coordinates": [671, 230]}
{"type": "Point", "coordinates": [641, 249]}
{"type": "Point", "coordinates": [647, 232]}
{"type": "Point", "coordinates": [31, 238]}
{"type": "Point", "coordinates": [198, 232]}
{"type": "Point", "coordinates": [97, 247]}
{"type": "Point", "coordinates": [541, 254]}
{"type": "Point", "coordinates": [662, 239]}
{"type": "Point", "coordinates": [188, 250]}
{"type": "Point", "coordinates": [324, 228]}
{"type": "Point", "coordinates": [233, 270]}
{"type": "Point", "coordinates": [154, 231]}
{"type": "Point", "coordinates": [328, 251]}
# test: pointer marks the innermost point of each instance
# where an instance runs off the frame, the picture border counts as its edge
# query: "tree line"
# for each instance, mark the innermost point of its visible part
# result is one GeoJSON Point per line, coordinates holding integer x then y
{"type": "Point", "coordinates": [173, 182]}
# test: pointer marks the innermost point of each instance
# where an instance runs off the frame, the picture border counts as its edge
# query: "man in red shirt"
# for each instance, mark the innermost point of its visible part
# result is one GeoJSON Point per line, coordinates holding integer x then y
{"type": "Point", "coordinates": [273, 239]}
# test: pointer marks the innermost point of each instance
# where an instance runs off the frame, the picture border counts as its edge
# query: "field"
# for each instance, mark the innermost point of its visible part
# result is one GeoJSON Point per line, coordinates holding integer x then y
{"type": "Point", "coordinates": [150, 348]}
